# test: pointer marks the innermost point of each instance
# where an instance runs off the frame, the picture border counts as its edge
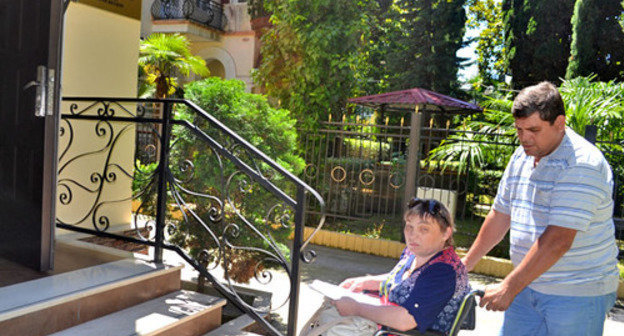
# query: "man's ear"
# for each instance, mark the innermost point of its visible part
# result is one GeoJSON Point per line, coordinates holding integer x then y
{"type": "Point", "coordinates": [560, 122]}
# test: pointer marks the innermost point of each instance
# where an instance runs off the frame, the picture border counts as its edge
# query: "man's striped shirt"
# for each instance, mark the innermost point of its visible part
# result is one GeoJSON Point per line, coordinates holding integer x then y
{"type": "Point", "coordinates": [572, 188]}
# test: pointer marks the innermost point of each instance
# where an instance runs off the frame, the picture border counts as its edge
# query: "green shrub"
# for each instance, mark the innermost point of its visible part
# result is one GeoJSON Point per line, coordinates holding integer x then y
{"type": "Point", "coordinates": [350, 163]}
{"type": "Point", "coordinates": [364, 148]}
{"type": "Point", "coordinates": [249, 115]}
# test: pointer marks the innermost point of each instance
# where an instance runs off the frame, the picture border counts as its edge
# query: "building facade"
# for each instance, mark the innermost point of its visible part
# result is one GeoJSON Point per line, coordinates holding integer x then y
{"type": "Point", "coordinates": [220, 32]}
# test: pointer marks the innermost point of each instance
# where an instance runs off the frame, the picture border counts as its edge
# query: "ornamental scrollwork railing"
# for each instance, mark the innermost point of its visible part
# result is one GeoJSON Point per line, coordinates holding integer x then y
{"type": "Point", "coordinates": [205, 12]}
{"type": "Point", "coordinates": [186, 183]}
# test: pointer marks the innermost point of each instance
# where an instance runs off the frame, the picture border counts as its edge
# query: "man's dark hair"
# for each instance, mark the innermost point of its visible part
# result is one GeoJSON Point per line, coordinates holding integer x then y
{"type": "Point", "coordinates": [543, 98]}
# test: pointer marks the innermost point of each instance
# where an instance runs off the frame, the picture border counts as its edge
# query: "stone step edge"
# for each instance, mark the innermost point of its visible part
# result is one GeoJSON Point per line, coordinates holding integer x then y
{"type": "Point", "coordinates": [237, 325]}
{"type": "Point", "coordinates": [234, 327]}
{"type": "Point", "coordinates": [201, 305]}
{"type": "Point", "coordinates": [28, 308]}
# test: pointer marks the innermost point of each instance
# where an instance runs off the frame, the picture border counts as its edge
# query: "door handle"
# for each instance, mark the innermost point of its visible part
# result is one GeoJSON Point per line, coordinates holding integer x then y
{"type": "Point", "coordinates": [41, 96]}
{"type": "Point", "coordinates": [31, 84]}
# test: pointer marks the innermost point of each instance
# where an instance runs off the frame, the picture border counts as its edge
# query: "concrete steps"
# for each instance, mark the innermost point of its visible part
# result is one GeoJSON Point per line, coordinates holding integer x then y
{"type": "Point", "coordinates": [236, 324]}
{"type": "Point", "coordinates": [55, 303]}
{"type": "Point", "coordinates": [179, 313]}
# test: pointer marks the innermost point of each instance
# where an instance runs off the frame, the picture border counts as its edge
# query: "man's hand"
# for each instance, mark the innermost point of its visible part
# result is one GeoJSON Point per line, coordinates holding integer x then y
{"type": "Point", "coordinates": [554, 242]}
{"type": "Point", "coordinates": [497, 298]}
{"type": "Point", "coordinates": [346, 306]}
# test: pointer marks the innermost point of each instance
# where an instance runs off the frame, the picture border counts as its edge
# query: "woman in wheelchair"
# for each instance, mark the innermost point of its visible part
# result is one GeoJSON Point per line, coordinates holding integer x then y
{"type": "Point", "coordinates": [425, 288]}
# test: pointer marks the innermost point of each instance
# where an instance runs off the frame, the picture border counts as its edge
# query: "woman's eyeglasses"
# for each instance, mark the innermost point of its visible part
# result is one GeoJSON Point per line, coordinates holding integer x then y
{"type": "Point", "coordinates": [432, 206]}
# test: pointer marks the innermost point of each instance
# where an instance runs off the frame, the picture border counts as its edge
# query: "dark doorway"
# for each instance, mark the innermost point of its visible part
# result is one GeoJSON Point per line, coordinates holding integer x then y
{"type": "Point", "coordinates": [30, 38]}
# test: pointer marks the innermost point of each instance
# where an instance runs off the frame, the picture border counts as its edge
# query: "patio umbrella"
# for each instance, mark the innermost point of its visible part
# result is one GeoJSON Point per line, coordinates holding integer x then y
{"type": "Point", "coordinates": [415, 100]}
{"type": "Point", "coordinates": [409, 99]}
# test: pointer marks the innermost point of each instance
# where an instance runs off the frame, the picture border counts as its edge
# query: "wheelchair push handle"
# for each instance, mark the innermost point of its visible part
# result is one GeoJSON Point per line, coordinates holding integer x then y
{"type": "Point", "coordinates": [465, 318]}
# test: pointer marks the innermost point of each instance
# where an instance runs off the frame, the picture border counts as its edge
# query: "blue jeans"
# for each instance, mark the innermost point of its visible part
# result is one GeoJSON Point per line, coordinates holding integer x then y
{"type": "Point", "coordinates": [536, 314]}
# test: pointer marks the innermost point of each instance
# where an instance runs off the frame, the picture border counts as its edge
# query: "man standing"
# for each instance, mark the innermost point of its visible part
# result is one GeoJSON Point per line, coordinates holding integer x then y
{"type": "Point", "coordinates": [556, 198]}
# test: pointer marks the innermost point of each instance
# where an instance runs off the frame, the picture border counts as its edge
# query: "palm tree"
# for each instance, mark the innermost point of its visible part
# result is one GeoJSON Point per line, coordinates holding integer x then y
{"type": "Point", "coordinates": [593, 103]}
{"type": "Point", "coordinates": [481, 141]}
{"type": "Point", "coordinates": [163, 56]}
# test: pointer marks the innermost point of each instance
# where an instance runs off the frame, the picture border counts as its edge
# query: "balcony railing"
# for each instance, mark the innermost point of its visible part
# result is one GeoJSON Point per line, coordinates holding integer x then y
{"type": "Point", "coordinates": [204, 12]}
{"type": "Point", "coordinates": [198, 189]}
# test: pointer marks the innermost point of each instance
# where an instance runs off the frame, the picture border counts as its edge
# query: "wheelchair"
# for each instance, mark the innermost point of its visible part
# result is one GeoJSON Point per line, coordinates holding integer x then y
{"type": "Point", "coordinates": [465, 319]}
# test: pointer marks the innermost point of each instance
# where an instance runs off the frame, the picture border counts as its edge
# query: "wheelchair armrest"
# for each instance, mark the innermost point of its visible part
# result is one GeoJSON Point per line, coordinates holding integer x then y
{"type": "Point", "coordinates": [413, 332]}
{"type": "Point", "coordinates": [381, 332]}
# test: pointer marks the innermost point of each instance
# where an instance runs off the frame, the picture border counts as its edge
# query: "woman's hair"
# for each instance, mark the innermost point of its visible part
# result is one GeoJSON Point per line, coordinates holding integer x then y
{"type": "Point", "coordinates": [431, 208]}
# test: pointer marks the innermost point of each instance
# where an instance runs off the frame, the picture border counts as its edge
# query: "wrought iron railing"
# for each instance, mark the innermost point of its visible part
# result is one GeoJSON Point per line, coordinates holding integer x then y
{"type": "Point", "coordinates": [198, 189]}
{"type": "Point", "coordinates": [205, 12]}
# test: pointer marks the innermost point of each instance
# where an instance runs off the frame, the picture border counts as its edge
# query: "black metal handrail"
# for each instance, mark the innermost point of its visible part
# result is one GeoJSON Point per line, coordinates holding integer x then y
{"type": "Point", "coordinates": [115, 118]}
{"type": "Point", "coordinates": [205, 12]}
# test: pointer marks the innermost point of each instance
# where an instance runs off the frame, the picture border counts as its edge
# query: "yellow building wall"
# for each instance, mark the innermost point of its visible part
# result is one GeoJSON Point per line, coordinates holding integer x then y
{"type": "Point", "coordinates": [101, 50]}
{"type": "Point", "coordinates": [100, 60]}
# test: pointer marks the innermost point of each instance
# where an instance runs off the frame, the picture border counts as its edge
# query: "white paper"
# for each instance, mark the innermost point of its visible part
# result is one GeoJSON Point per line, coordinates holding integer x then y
{"type": "Point", "coordinates": [336, 292]}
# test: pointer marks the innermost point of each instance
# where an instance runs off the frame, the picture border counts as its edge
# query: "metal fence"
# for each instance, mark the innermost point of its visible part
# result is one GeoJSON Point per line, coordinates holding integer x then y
{"type": "Point", "coordinates": [352, 164]}
{"type": "Point", "coordinates": [360, 170]}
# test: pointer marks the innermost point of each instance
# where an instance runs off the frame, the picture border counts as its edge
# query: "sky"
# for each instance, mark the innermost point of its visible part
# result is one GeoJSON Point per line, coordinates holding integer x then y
{"type": "Point", "coordinates": [469, 52]}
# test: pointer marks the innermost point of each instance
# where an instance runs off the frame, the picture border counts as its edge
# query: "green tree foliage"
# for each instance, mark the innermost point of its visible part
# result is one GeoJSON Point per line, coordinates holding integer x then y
{"type": "Point", "coordinates": [598, 40]}
{"type": "Point", "coordinates": [484, 143]}
{"type": "Point", "coordinates": [586, 103]}
{"type": "Point", "coordinates": [622, 18]}
{"type": "Point", "coordinates": [424, 53]}
{"type": "Point", "coordinates": [590, 102]}
{"type": "Point", "coordinates": [319, 53]}
{"type": "Point", "coordinates": [268, 129]}
{"type": "Point", "coordinates": [375, 77]}
{"type": "Point", "coordinates": [310, 55]}
{"type": "Point", "coordinates": [163, 57]}
{"type": "Point", "coordinates": [487, 16]}
{"type": "Point", "coordinates": [537, 37]}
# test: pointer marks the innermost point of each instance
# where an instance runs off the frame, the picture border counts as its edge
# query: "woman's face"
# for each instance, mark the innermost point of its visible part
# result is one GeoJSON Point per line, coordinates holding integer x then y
{"type": "Point", "coordinates": [424, 237]}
